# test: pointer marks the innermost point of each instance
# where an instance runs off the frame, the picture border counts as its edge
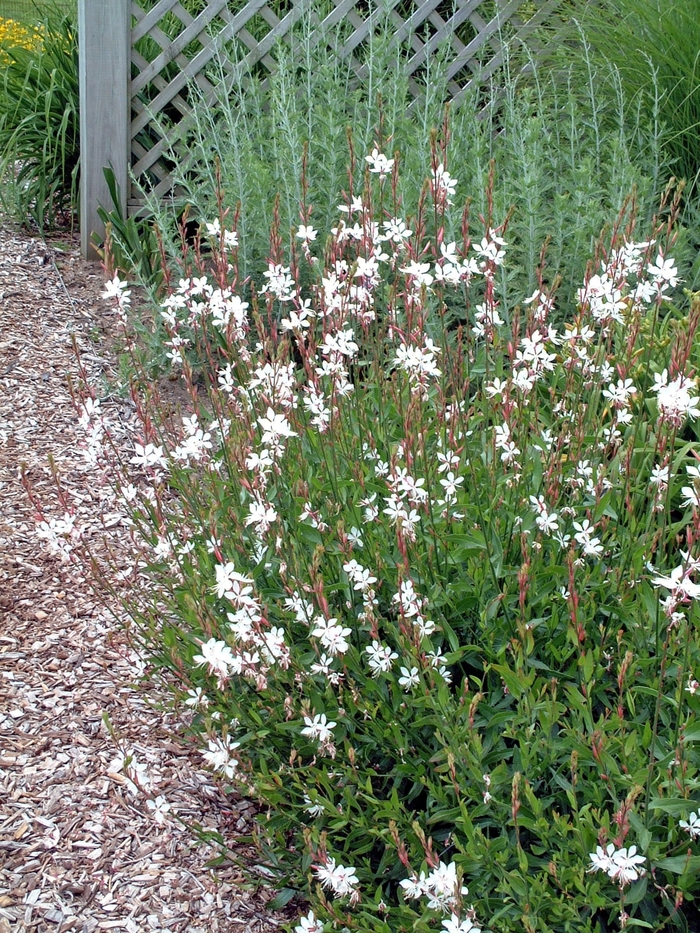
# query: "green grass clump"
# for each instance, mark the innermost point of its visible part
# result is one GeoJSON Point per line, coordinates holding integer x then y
{"type": "Point", "coordinates": [655, 45]}
{"type": "Point", "coordinates": [39, 125]}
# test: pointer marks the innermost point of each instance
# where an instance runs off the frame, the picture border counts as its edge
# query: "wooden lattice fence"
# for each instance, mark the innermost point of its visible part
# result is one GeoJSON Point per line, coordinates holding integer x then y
{"type": "Point", "coordinates": [138, 58]}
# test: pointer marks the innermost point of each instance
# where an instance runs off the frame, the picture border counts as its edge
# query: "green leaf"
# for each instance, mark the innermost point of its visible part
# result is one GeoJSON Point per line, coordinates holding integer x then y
{"type": "Point", "coordinates": [692, 734]}
{"type": "Point", "coordinates": [676, 806]}
{"type": "Point", "coordinates": [512, 680]}
{"type": "Point", "coordinates": [637, 891]}
{"type": "Point", "coordinates": [282, 898]}
{"type": "Point", "coordinates": [679, 864]}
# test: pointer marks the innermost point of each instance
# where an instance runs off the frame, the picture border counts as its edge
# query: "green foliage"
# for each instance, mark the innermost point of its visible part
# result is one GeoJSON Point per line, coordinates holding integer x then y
{"type": "Point", "coordinates": [39, 125]}
{"type": "Point", "coordinates": [132, 242]}
{"type": "Point", "coordinates": [537, 695]}
{"type": "Point", "coordinates": [568, 151]}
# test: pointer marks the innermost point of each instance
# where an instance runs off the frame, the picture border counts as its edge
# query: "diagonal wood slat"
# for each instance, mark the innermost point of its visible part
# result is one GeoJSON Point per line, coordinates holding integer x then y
{"type": "Point", "coordinates": [185, 45]}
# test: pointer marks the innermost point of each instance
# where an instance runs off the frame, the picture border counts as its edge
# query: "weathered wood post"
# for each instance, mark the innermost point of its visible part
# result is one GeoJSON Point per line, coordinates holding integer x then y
{"type": "Point", "coordinates": [104, 28]}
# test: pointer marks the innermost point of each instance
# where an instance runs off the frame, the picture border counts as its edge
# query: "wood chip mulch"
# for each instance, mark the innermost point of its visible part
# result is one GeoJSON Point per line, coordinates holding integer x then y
{"type": "Point", "coordinates": [81, 851]}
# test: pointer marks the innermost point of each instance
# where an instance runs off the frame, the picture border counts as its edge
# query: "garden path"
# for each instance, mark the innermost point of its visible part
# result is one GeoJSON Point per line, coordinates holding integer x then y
{"type": "Point", "coordinates": [78, 850]}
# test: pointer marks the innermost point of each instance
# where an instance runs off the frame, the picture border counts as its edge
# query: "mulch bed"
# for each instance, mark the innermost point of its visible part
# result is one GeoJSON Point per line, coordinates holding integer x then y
{"type": "Point", "coordinates": [79, 851]}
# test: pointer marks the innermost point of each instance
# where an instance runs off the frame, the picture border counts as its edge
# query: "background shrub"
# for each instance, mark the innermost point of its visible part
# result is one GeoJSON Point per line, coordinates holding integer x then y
{"type": "Point", "coordinates": [568, 151]}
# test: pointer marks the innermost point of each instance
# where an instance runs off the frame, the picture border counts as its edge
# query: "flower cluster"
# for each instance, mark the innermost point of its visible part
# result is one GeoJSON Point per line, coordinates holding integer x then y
{"type": "Point", "coordinates": [444, 893]}
{"type": "Point", "coordinates": [339, 879]}
{"type": "Point", "coordinates": [621, 865]}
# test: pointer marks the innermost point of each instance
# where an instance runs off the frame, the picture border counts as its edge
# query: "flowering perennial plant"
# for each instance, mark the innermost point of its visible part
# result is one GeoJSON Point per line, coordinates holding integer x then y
{"type": "Point", "coordinates": [424, 562]}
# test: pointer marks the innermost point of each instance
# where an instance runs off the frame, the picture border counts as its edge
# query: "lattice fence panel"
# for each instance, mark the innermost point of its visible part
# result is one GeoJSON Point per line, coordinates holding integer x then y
{"type": "Point", "coordinates": [173, 46]}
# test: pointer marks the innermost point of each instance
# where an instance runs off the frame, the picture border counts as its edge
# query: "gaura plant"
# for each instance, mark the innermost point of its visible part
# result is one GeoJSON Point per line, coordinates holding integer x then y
{"type": "Point", "coordinates": [422, 564]}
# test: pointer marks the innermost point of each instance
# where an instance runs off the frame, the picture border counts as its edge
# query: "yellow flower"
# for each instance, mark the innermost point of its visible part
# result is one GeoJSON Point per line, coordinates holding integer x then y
{"type": "Point", "coordinates": [15, 35]}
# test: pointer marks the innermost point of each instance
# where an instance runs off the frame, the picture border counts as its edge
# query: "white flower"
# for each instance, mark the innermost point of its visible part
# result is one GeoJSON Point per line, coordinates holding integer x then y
{"type": "Point", "coordinates": [418, 362]}
{"type": "Point", "coordinates": [219, 756]}
{"type": "Point", "coordinates": [409, 679]}
{"type": "Point", "coordinates": [444, 183]}
{"type": "Point", "coordinates": [678, 583]}
{"type": "Point", "coordinates": [621, 393]}
{"type": "Point", "coordinates": [197, 697]}
{"type": "Point", "coordinates": [547, 522]}
{"type": "Point", "coordinates": [148, 455]}
{"type": "Point", "coordinates": [420, 271]}
{"type": "Point", "coordinates": [261, 514]}
{"type": "Point", "coordinates": [218, 656]}
{"type": "Point", "coordinates": [331, 634]}
{"type": "Point", "coordinates": [444, 888]}
{"type": "Point", "coordinates": [340, 879]}
{"type": "Point", "coordinates": [590, 545]}
{"type": "Point", "coordinates": [674, 398]}
{"type": "Point", "coordinates": [381, 658]}
{"type": "Point", "coordinates": [315, 809]}
{"type": "Point", "coordinates": [309, 924]}
{"type": "Point", "coordinates": [297, 319]}
{"type": "Point", "coordinates": [228, 581]}
{"type": "Point", "coordinates": [160, 808]}
{"type": "Point", "coordinates": [489, 249]}
{"type": "Point", "coordinates": [355, 537]}
{"type": "Point", "coordinates": [279, 282]}
{"type": "Point", "coordinates": [455, 925]}
{"type": "Point", "coordinates": [691, 825]}
{"type": "Point", "coordinates": [319, 728]}
{"type": "Point", "coordinates": [306, 233]}
{"type": "Point", "coordinates": [660, 475]}
{"type": "Point", "coordinates": [414, 887]}
{"type": "Point", "coordinates": [664, 272]}
{"type": "Point", "coordinates": [690, 497]}
{"type": "Point", "coordinates": [274, 426]}
{"type": "Point", "coordinates": [116, 288]}
{"type": "Point", "coordinates": [396, 230]}
{"type": "Point", "coordinates": [324, 666]}
{"type": "Point", "coordinates": [378, 163]}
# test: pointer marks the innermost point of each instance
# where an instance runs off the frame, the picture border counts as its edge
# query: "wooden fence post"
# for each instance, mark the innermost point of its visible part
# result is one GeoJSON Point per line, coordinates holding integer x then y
{"type": "Point", "coordinates": [104, 29]}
